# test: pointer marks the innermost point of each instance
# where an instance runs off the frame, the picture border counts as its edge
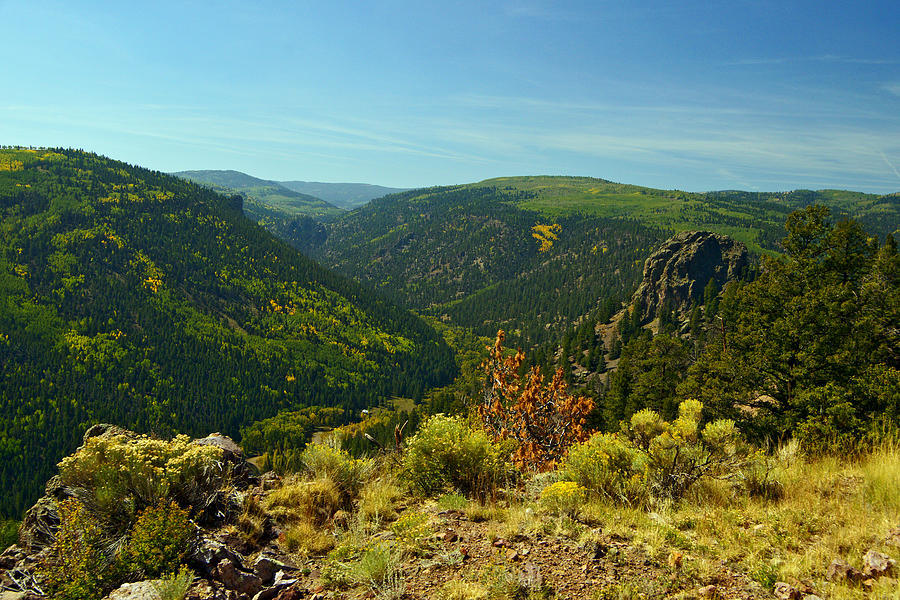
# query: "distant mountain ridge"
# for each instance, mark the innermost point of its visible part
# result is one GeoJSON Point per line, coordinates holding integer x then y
{"type": "Point", "coordinates": [343, 195]}
{"type": "Point", "coordinates": [265, 201]}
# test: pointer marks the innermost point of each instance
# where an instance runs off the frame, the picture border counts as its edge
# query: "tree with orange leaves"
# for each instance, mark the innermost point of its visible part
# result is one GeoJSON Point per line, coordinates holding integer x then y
{"type": "Point", "coordinates": [544, 420]}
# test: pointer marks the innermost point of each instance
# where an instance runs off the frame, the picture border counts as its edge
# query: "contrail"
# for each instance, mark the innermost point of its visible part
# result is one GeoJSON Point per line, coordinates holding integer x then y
{"type": "Point", "coordinates": [884, 156]}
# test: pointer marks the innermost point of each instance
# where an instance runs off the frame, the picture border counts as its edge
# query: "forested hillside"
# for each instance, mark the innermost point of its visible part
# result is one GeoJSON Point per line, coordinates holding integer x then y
{"type": "Point", "coordinates": [537, 255]}
{"type": "Point", "coordinates": [755, 218]}
{"type": "Point", "coordinates": [134, 297]}
{"type": "Point", "coordinates": [470, 256]}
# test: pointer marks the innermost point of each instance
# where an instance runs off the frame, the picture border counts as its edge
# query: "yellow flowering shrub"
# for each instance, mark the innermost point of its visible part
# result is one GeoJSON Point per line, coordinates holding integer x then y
{"type": "Point", "coordinates": [563, 497]}
{"type": "Point", "coordinates": [133, 472]}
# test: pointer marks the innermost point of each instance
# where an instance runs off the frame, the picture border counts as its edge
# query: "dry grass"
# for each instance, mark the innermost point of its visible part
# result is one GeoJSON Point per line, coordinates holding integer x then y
{"type": "Point", "coordinates": [830, 509]}
{"type": "Point", "coordinates": [313, 501]}
{"type": "Point", "coordinates": [305, 538]}
{"type": "Point", "coordinates": [378, 501]}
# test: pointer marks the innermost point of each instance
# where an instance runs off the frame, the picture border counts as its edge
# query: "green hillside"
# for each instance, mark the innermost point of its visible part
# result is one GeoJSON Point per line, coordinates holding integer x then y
{"type": "Point", "coordinates": [134, 297]}
{"type": "Point", "coordinates": [342, 195]}
{"type": "Point", "coordinates": [468, 254]}
{"type": "Point", "coordinates": [266, 202]}
{"type": "Point", "coordinates": [755, 218]}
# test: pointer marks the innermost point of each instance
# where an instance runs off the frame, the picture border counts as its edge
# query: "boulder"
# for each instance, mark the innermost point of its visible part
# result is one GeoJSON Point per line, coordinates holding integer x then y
{"type": "Point", "coordinates": [208, 553]}
{"type": "Point", "coordinates": [785, 591]}
{"type": "Point", "coordinates": [679, 271]}
{"type": "Point", "coordinates": [877, 564]}
{"type": "Point", "coordinates": [839, 570]}
{"type": "Point", "coordinates": [142, 590]}
{"type": "Point", "coordinates": [267, 568]}
{"type": "Point", "coordinates": [233, 578]}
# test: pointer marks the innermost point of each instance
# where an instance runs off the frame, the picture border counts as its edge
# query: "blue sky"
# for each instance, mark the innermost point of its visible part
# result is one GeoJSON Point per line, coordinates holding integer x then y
{"type": "Point", "coordinates": [692, 95]}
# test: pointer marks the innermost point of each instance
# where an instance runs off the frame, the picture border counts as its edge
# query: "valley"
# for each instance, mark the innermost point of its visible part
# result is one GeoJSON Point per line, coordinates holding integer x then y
{"type": "Point", "coordinates": [353, 359]}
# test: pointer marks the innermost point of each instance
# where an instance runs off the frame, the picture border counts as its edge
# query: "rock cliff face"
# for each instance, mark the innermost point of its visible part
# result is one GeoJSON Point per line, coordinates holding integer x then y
{"type": "Point", "coordinates": [681, 268]}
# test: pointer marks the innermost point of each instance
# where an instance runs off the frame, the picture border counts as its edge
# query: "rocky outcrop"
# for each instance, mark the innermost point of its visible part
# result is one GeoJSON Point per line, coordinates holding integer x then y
{"type": "Point", "coordinates": [219, 566]}
{"type": "Point", "coordinates": [681, 268]}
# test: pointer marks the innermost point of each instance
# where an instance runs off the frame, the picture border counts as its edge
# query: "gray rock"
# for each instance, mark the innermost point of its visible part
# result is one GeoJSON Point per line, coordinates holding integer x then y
{"type": "Point", "coordinates": [839, 570]}
{"type": "Point", "coordinates": [877, 564]}
{"type": "Point", "coordinates": [235, 579]}
{"type": "Point", "coordinates": [267, 567]}
{"type": "Point", "coordinates": [142, 590]}
{"type": "Point", "coordinates": [785, 591]}
{"type": "Point", "coordinates": [208, 554]}
{"type": "Point", "coordinates": [225, 443]}
{"type": "Point", "coordinates": [680, 269]}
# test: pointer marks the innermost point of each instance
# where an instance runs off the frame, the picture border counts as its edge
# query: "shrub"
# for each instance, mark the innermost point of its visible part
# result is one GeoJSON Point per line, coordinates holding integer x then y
{"type": "Point", "coordinates": [77, 568]}
{"type": "Point", "coordinates": [608, 466]}
{"type": "Point", "coordinates": [446, 454]}
{"type": "Point", "coordinates": [375, 566]}
{"type": "Point", "coordinates": [412, 530]}
{"type": "Point", "coordinates": [563, 497]}
{"type": "Point", "coordinates": [158, 542]}
{"type": "Point", "coordinates": [175, 586]}
{"type": "Point", "coordinates": [125, 474]}
{"type": "Point", "coordinates": [657, 460]}
{"type": "Point", "coordinates": [544, 420]}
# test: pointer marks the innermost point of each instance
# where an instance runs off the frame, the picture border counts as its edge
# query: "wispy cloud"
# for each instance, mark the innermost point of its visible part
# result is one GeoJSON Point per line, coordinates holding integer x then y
{"type": "Point", "coordinates": [893, 88]}
{"type": "Point", "coordinates": [825, 58]}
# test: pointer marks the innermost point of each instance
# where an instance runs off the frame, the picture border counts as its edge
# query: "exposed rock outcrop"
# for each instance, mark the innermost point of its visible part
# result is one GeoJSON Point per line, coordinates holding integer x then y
{"type": "Point", "coordinates": [209, 557]}
{"type": "Point", "coordinates": [682, 267]}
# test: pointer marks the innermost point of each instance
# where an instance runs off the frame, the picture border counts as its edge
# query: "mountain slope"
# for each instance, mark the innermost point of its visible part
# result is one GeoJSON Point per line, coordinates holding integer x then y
{"type": "Point", "coordinates": [134, 297]}
{"type": "Point", "coordinates": [343, 195]}
{"type": "Point", "coordinates": [265, 201]}
{"type": "Point", "coordinates": [755, 218]}
{"type": "Point", "coordinates": [472, 254]}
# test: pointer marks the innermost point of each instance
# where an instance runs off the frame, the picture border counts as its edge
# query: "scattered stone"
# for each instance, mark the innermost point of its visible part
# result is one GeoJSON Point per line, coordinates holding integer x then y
{"type": "Point", "coordinates": [811, 597]}
{"type": "Point", "coordinates": [203, 590]}
{"type": "Point", "coordinates": [512, 554]}
{"type": "Point", "coordinates": [208, 553]}
{"type": "Point", "coordinates": [893, 537]}
{"type": "Point", "coordinates": [500, 543]}
{"type": "Point", "coordinates": [267, 568]}
{"type": "Point", "coordinates": [233, 578]}
{"type": "Point", "coordinates": [384, 535]}
{"type": "Point", "coordinates": [708, 591]}
{"type": "Point", "coordinates": [839, 570]}
{"type": "Point", "coordinates": [785, 591]}
{"type": "Point", "coordinates": [877, 564]}
{"type": "Point", "coordinates": [142, 590]}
